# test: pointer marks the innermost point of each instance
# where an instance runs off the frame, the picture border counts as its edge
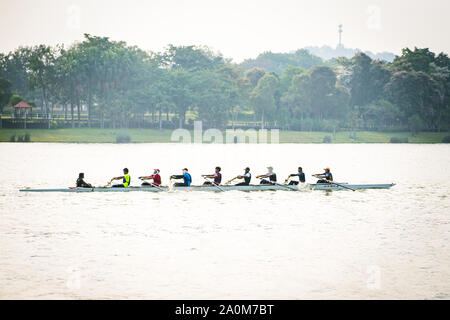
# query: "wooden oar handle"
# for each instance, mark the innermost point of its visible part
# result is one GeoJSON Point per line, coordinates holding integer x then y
{"type": "Point", "coordinates": [229, 181]}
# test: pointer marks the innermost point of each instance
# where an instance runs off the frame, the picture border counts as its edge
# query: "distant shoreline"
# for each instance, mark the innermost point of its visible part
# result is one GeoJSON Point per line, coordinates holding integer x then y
{"type": "Point", "coordinates": [93, 135]}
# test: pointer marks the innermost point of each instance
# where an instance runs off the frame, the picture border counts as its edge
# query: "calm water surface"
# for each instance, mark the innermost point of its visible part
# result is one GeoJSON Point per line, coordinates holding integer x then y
{"type": "Point", "coordinates": [385, 244]}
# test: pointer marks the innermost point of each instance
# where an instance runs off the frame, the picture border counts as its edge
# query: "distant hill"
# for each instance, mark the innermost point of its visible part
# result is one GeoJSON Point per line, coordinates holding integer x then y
{"type": "Point", "coordinates": [327, 53]}
{"type": "Point", "coordinates": [277, 62]}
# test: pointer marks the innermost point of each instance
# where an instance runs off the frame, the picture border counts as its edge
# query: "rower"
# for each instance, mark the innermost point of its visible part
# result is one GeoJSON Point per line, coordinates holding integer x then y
{"type": "Point", "coordinates": [271, 175]}
{"type": "Point", "coordinates": [217, 176]}
{"type": "Point", "coordinates": [187, 179]}
{"type": "Point", "coordinates": [300, 175]}
{"type": "Point", "coordinates": [325, 177]}
{"type": "Point", "coordinates": [126, 180]}
{"type": "Point", "coordinates": [81, 183]}
{"type": "Point", "coordinates": [155, 177]}
{"type": "Point", "coordinates": [247, 176]}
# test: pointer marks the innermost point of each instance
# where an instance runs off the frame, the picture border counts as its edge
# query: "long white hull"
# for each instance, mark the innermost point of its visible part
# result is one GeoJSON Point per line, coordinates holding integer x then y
{"type": "Point", "coordinates": [322, 186]}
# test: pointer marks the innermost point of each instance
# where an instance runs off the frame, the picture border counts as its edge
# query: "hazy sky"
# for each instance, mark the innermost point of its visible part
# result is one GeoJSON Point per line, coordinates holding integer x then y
{"type": "Point", "coordinates": [237, 28]}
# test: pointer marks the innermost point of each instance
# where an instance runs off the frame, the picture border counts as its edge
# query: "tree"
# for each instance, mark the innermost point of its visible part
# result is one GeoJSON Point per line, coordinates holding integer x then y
{"type": "Point", "coordinates": [323, 82]}
{"type": "Point", "coordinates": [211, 99]}
{"type": "Point", "coordinates": [417, 60]}
{"type": "Point", "coordinates": [367, 80]}
{"type": "Point", "coordinates": [42, 72]}
{"type": "Point", "coordinates": [286, 77]}
{"type": "Point", "coordinates": [181, 93]}
{"type": "Point", "coordinates": [14, 67]}
{"type": "Point", "coordinates": [415, 124]}
{"type": "Point", "coordinates": [278, 62]}
{"type": "Point", "coordinates": [14, 99]}
{"type": "Point", "coordinates": [414, 93]}
{"type": "Point", "coordinates": [263, 97]}
{"type": "Point", "coordinates": [5, 93]}
{"type": "Point", "coordinates": [253, 75]}
{"type": "Point", "coordinates": [441, 74]}
{"type": "Point", "coordinates": [193, 58]}
{"type": "Point", "coordinates": [339, 104]}
{"type": "Point", "coordinates": [380, 114]}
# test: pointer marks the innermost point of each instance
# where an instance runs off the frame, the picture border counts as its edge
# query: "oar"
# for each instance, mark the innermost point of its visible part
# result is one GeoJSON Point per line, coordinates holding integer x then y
{"type": "Point", "coordinates": [153, 185]}
{"type": "Point", "coordinates": [213, 183]}
{"type": "Point", "coordinates": [278, 184]}
{"type": "Point", "coordinates": [108, 184]}
{"type": "Point", "coordinates": [284, 186]}
{"type": "Point", "coordinates": [340, 185]}
{"type": "Point", "coordinates": [170, 184]}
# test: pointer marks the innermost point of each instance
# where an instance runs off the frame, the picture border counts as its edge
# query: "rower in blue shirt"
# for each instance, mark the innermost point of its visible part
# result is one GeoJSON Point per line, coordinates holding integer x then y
{"type": "Point", "coordinates": [187, 179]}
{"type": "Point", "coordinates": [325, 177]}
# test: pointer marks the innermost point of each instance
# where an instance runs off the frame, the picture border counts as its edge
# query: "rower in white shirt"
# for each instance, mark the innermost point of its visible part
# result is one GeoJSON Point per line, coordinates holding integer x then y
{"type": "Point", "coordinates": [272, 176]}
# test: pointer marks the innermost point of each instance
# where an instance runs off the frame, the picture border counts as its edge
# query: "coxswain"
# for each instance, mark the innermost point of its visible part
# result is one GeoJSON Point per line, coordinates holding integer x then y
{"type": "Point", "coordinates": [155, 177]}
{"type": "Point", "coordinates": [300, 175]}
{"type": "Point", "coordinates": [217, 176]}
{"type": "Point", "coordinates": [272, 176]}
{"type": "Point", "coordinates": [325, 177]}
{"type": "Point", "coordinates": [187, 179]}
{"type": "Point", "coordinates": [81, 183]}
{"type": "Point", "coordinates": [126, 180]}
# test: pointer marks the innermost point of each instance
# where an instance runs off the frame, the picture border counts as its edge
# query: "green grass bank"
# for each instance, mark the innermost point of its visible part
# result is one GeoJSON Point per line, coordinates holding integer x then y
{"type": "Point", "coordinates": [84, 135]}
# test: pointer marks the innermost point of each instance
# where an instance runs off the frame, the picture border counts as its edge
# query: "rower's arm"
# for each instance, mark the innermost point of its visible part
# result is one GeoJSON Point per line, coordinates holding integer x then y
{"type": "Point", "coordinates": [175, 176]}
{"type": "Point", "coordinates": [146, 178]}
{"type": "Point", "coordinates": [208, 175]}
{"type": "Point", "coordinates": [117, 178]}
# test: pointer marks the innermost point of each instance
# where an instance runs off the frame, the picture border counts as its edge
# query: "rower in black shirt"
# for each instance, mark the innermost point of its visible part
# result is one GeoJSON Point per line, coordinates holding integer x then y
{"type": "Point", "coordinates": [300, 175]}
{"type": "Point", "coordinates": [271, 175]}
{"type": "Point", "coordinates": [247, 176]}
{"type": "Point", "coordinates": [81, 183]}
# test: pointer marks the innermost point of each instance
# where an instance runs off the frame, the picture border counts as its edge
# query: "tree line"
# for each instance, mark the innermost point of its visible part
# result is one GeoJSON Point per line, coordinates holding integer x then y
{"type": "Point", "coordinates": [117, 83]}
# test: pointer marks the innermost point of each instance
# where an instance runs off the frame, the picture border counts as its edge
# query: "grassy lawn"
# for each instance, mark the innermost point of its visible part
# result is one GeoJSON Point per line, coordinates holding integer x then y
{"type": "Point", "coordinates": [87, 135]}
{"type": "Point", "coordinates": [361, 137]}
{"type": "Point", "coordinates": [151, 135]}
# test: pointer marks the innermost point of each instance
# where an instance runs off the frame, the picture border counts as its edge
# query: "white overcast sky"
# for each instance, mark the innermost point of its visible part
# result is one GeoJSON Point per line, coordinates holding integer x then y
{"type": "Point", "coordinates": [238, 29]}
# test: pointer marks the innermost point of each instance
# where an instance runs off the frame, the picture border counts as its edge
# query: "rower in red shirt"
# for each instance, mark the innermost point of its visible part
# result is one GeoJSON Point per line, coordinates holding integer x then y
{"type": "Point", "coordinates": [155, 177]}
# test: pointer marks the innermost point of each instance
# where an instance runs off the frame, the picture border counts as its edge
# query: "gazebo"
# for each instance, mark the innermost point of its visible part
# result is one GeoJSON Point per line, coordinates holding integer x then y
{"type": "Point", "coordinates": [22, 108]}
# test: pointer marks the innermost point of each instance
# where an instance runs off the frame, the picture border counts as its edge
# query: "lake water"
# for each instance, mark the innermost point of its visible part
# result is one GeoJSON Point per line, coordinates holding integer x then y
{"type": "Point", "coordinates": [387, 244]}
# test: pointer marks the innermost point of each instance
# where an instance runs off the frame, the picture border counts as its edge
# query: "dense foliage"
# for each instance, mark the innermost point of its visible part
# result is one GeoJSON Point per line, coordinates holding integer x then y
{"type": "Point", "coordinates": [115, 83]}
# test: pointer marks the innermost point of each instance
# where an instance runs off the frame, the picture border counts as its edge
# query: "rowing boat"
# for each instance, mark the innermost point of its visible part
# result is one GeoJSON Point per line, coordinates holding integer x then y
{"type": "Point", "coordinates": [312, 186]}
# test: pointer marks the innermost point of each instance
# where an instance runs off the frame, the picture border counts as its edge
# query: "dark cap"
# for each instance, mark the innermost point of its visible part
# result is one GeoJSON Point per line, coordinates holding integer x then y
{"type": "Point", "coordinates": [247, 169]}
{"type": "Point", "coordinates": [186, 169]}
